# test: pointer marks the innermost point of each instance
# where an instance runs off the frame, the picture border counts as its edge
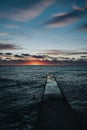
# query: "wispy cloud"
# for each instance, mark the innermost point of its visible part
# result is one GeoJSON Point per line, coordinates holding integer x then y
{"type": "Point", "coordinates": [63, 52]}
{"type": "Point", "coordinates": [31, 10]}
{"type": "Point", "coordinates": [83, 27]}
{"type": "Point", "coordinates": [63, 19]}
{"type": "Point", "coordinates": [4, 34]}
{"type": "Point", "coordinates": [7, 46]}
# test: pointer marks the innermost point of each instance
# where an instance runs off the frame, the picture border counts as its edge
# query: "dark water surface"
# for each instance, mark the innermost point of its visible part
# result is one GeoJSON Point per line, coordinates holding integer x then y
{"type": "Point", "coordinates": [21, 89]}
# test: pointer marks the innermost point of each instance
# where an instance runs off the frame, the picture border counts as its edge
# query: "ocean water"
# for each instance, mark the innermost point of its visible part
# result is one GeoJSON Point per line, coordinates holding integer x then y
{"type": "Point", "coordinates": [21, 90]}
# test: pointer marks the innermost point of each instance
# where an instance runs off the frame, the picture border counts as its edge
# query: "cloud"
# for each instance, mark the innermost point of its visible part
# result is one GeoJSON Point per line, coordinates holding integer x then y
{"type": "Point", "coordinates": [18, 56]}
{"type": "Point", "coordinates": [10, 59]}
{"type": "Point", "coordinates": [83, 56]}
{"type": "Point", "coordinates": [25, 10]}
{"type": "Point", "coordinates": [33, 56]}
{"type": "Point", "coordinates": [7, 46]}
{"type": "Point", "coordinates": [83, 27]}
{"type": "Point", "coordinates": [64, 58]}
{"type": "Point", "coordinates": [1, 53]}
{"type": "Point", "coordinates": [3, 34]}
{"type": "Point", "coordinates": [8, 53]}
{"type": "Point", "coordinates": [25, 55]}
{"type": "Point", "coordinates": [63, 52]}
{"type": "Point", "coordinates": [51, 52]}
{"type": "Point", "coordinates": [55, 55]}
{"type": "Point", "coordinates": [60, 20]}
{"type": "Point", "coordinates": [38, 56]}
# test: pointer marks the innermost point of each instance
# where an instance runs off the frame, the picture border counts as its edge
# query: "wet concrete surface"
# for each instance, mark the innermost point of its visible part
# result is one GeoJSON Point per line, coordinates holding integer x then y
{"type": "Point", "coordinates": [56, 113]}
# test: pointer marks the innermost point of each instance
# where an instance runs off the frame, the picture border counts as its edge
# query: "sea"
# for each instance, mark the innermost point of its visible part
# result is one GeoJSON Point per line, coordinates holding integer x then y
{"type": "Point", "coordinates": [22, 87]}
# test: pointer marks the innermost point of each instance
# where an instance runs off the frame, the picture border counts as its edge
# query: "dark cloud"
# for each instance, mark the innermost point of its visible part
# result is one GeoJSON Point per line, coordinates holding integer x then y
{"type": "Point", "coordinates": [38, 56]}
{"type": "Point", "coordinates": [73, 58]}
{"type": "Point", "coordinates": [83, 56]}
{"type": "Point", "coordinates": [28, 3]}
{"type": "Point", "coordinates": [65, 2]}
{"type": "Point", "coordinates": [77, 53]}
{"type": "Point", "coordinates": [66, 18]}
{"type": "Point", "coordinates": [1, 53]}
{"type": "Point", "coordinates": [18, 4]}
{"type": "Point", "coordinates": [32, 56]}
{"type": "Point", "coordinates": [9, 61]}
{"type": "Point", "coordinates": [21, 4]}
{"type": "Point", "coordinates": [8, 53]}
{"type": "Point", "coordinates": [52, 61]}
{"type": "Point", "coordinates": [25, 58]}
{"type": "Point", "coordinates": [64, 58]}
{"type": "Point", "coordinates": [19, 56]}
{"type": "Point", "coordinates": [25, 55]}
{"type": "Point", "coordinates": [69, 62]}
{"type": "Point", "coordinates": [28, 55]}
{"type": "Point", "coordinates": [83, 27]}
{"type": "Point", "coordinates": [7, 46]}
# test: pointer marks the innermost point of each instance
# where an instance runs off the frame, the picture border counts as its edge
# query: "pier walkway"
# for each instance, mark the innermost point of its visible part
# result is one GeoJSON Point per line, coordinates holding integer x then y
{"type": "Point", "coordinates": [56, 113]}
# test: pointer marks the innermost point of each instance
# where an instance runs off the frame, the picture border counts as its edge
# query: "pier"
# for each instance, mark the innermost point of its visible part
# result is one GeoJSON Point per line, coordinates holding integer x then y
{"type": "Point", "coordinates": [56, 113]}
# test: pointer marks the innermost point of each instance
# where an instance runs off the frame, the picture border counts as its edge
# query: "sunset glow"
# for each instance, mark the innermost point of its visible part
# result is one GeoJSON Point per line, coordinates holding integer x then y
{"type": "Point", "coordinates": [36, 62]}
{"type": "Point", "coordinates": [39, 62]}
{"type": "Point", "coordinates": [43, 32]}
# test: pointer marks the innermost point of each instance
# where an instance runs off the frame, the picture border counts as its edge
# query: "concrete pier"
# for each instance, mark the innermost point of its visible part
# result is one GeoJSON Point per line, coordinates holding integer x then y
{"type": "Point", "coordinates": [56, 113]}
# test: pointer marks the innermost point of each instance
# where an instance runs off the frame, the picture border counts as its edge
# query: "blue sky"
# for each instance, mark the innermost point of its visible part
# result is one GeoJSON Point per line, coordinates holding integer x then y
{"type": "Point", "coordinates": [56, 28]}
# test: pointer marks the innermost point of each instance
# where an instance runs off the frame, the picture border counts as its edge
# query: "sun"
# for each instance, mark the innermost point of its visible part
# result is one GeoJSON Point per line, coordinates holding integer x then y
{"type": "Point", "coordinates": [35, 62]}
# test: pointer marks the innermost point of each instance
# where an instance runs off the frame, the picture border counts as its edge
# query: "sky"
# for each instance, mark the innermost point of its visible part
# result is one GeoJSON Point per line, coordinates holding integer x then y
{"type": "Point", "coordinates": [43, 32]}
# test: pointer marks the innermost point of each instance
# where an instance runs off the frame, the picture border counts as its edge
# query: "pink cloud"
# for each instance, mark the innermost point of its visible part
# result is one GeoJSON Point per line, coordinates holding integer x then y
{"type": "Point", "coordinates": [60, 20]}
{"type": "Point", "coordinates": [7, 46]}
{"type": "Point", "coordinates": [28, 14]}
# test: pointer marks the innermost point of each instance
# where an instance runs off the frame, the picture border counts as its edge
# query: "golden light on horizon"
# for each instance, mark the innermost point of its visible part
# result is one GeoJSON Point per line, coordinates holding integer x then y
{"type": "Point", "coordinates": [36, 62]}
{"type": "Point", "coordinates": [39, 62]}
